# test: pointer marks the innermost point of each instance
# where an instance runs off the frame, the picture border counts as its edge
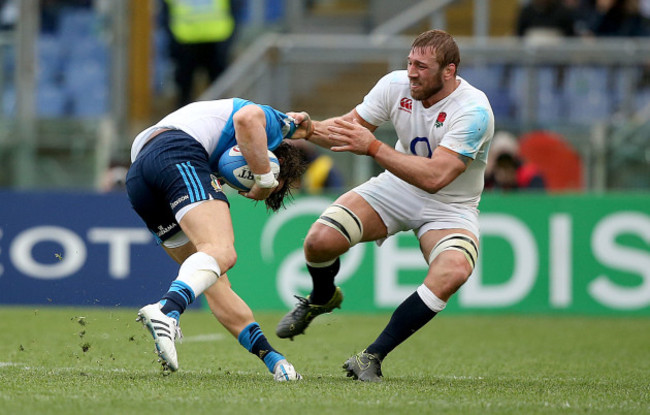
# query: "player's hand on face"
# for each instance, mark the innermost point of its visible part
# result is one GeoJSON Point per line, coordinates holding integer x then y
{"type": "Point", "coordinates": [350, 136]}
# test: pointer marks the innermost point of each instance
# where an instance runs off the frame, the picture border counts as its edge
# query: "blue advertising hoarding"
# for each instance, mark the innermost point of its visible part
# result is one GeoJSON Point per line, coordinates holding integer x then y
{"type": "Point", "coordinates": [78, 249]}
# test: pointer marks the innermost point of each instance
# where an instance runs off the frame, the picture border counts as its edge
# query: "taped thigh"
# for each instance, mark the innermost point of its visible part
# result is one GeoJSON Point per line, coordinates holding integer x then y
{"type": "Point", "coordinates": [344, 221]}
{"type": "Point", "coordinates": [457, 242]}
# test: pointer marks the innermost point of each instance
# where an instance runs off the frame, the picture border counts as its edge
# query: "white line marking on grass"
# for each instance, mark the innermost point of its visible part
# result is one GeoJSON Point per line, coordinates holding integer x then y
{"type": "Point", "coordinates": [87, 369]}
{"type": "Point", "coordinates": [213, 337]}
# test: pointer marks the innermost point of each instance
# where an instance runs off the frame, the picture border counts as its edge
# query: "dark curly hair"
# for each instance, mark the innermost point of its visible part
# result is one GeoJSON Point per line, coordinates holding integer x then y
{"type": "Point", "coordinates": [292, 166]}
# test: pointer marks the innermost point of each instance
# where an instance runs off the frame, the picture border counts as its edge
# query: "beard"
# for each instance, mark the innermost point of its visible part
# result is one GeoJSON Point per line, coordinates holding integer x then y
{"type": "Point", "coordinates": [429, 91]}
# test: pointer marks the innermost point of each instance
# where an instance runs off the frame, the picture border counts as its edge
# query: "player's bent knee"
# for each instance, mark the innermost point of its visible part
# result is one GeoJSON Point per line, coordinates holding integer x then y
{"type": "Point", "coordinates": [226, 258]}
{"type": "Point", "coordinates": [344, 221]}
{"type": "Point", "coordinates": [460, 273]}
{"type": "Point", "coordinates": [446, 281]}
{"type": "Point", "coordinates": [319, 246]}
{"type": "Point", "coordinates": [457, 242]}
{"type": "Point", "coordinates": [229, 260]}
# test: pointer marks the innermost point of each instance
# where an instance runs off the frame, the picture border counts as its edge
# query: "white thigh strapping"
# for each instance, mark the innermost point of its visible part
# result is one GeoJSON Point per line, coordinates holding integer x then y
{"type": "Point", "coordinates": [457, 242]}
{"type": "Point", "coordinates": [343, 220]}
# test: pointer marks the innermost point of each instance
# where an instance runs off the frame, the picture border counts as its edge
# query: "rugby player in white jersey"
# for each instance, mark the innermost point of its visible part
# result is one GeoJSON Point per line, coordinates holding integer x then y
{"type": "Point", "coordinates": [431, 186]}
{"type": "Point", "coordinates": [170, 187]}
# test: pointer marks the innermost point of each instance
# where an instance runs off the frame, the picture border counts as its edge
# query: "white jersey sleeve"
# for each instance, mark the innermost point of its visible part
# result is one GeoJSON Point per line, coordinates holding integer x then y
{"type": "Point", "coordinates": [468, 133]}
{"type": "Point", "coordinates": [375, 108]}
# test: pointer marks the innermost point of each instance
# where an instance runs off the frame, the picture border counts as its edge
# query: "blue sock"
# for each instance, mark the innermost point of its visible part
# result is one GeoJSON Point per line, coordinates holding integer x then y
{"type": "Point", "coordinates": [179, 296]}
{"type": "Point", "coordinates": [255, 342]}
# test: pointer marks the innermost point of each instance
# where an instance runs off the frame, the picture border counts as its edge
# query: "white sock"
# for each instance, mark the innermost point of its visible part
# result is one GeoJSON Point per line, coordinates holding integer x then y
{"type": "Point", "coordinates": [321, 264]}
{"type": "Point", "coordinates": [430, 299]}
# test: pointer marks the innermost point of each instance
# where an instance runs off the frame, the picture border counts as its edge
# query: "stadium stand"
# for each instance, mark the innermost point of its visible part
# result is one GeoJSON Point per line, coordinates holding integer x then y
{"type": "Point", "coordinates": [51, 101]}
{"type": "Point", "coordinates": [491, 80]}
{"type": "Point", "coordinates": [587, 93]}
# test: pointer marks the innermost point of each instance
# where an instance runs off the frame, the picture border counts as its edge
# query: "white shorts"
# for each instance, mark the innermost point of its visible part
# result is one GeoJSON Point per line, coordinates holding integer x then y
{"type": "Point", "coordinates": [403, 208]}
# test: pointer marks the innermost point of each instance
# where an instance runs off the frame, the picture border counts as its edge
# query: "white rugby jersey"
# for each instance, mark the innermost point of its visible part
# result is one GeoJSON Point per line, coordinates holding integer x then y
{"type": "Point", "coordinates": [211, 124]}
{"type": "Point", "coordinates": [204, 120]}
{"type": "Point", "coordinates": [462, 122]}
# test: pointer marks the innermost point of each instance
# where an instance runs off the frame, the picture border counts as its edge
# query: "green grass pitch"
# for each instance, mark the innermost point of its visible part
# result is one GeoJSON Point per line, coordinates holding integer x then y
{"type": "Point", "coordinates": [100, 361]}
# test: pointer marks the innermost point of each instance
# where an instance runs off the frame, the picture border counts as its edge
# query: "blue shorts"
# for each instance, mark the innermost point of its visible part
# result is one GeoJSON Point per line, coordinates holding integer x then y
{"type": "Point", "coordinates": [171, 172]}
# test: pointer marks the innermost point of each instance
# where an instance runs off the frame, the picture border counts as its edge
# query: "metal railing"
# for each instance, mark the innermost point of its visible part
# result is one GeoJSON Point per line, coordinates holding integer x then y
{"type": "Point", "coordinates": [270, 55]}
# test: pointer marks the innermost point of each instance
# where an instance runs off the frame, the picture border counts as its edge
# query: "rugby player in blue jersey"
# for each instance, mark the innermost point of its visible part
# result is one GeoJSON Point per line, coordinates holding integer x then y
{"type": "Point", "coordinates": [171, 188]}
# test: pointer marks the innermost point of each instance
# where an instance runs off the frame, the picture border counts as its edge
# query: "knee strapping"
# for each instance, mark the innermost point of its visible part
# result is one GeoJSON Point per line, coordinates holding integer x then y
{"type": "Point", "coordinates": [457, 242]}
{"type": "Point", "coordinates": [343, 220]}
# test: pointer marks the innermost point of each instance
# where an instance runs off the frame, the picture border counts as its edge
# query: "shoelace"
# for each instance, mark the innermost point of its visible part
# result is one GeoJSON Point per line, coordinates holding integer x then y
{"type": "Point", "coordinates": [369, 358]}
{"type": "Point", "coordinates": [302, 301]}
{"type": "Point", "coordinates": [178, 333]}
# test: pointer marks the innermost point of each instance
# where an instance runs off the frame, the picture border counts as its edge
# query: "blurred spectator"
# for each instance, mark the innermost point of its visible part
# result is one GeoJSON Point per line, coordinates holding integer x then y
{"type": "Point", "coordinates": [545, 19]}
{"type": "Point", "coordinates": [502, 142]}
{"type": "Point", "coordinates": [114, 178]}
{"type": "Point", "coordinates": [50, 13]}
{"type": "Point", "coordinates": [506, 170]}
{"type": "Point", "coordinates": [510, 173]}
{"type": "Point", "coordinates": [644, 8]}
{"type": "Point", "coordinates": [201, 36]}
{"type": "Point", "coordinates": [8, 14]}
{"type": "Point", "coordinates": [322, 175]}
{"type": "Point", "coordinates": [609, 18]}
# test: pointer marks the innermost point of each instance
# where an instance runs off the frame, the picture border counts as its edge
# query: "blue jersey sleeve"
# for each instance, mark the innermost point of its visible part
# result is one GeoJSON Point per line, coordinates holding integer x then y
{"type": "Point", "coordinates": [227, 138]}
{"type": "Point", "coordinates": [278, 126]}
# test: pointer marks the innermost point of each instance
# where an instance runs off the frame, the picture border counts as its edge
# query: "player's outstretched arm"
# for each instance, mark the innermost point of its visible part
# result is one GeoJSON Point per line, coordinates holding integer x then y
{"type": "Point", "coordinates": [319, 134]}
{"type": "Point", "coordinates": [429, 174]}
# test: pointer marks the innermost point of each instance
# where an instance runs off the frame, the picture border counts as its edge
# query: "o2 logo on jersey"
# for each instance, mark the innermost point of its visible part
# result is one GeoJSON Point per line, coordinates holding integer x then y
{"type": "Point", "coordinates": [420, 146]}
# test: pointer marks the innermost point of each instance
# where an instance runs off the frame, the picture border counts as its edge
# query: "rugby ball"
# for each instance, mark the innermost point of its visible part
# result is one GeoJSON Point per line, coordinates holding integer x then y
{"type": "Point", "coordinates": [234, 171]}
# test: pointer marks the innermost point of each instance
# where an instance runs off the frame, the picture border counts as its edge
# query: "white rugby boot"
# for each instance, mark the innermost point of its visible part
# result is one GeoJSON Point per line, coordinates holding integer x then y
{"type": "Point", "coordinates": [165, 332]}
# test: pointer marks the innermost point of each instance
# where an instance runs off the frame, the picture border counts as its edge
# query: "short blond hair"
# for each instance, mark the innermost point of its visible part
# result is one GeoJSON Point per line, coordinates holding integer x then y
{"type": "Point", "coordinates": [442, 44]}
